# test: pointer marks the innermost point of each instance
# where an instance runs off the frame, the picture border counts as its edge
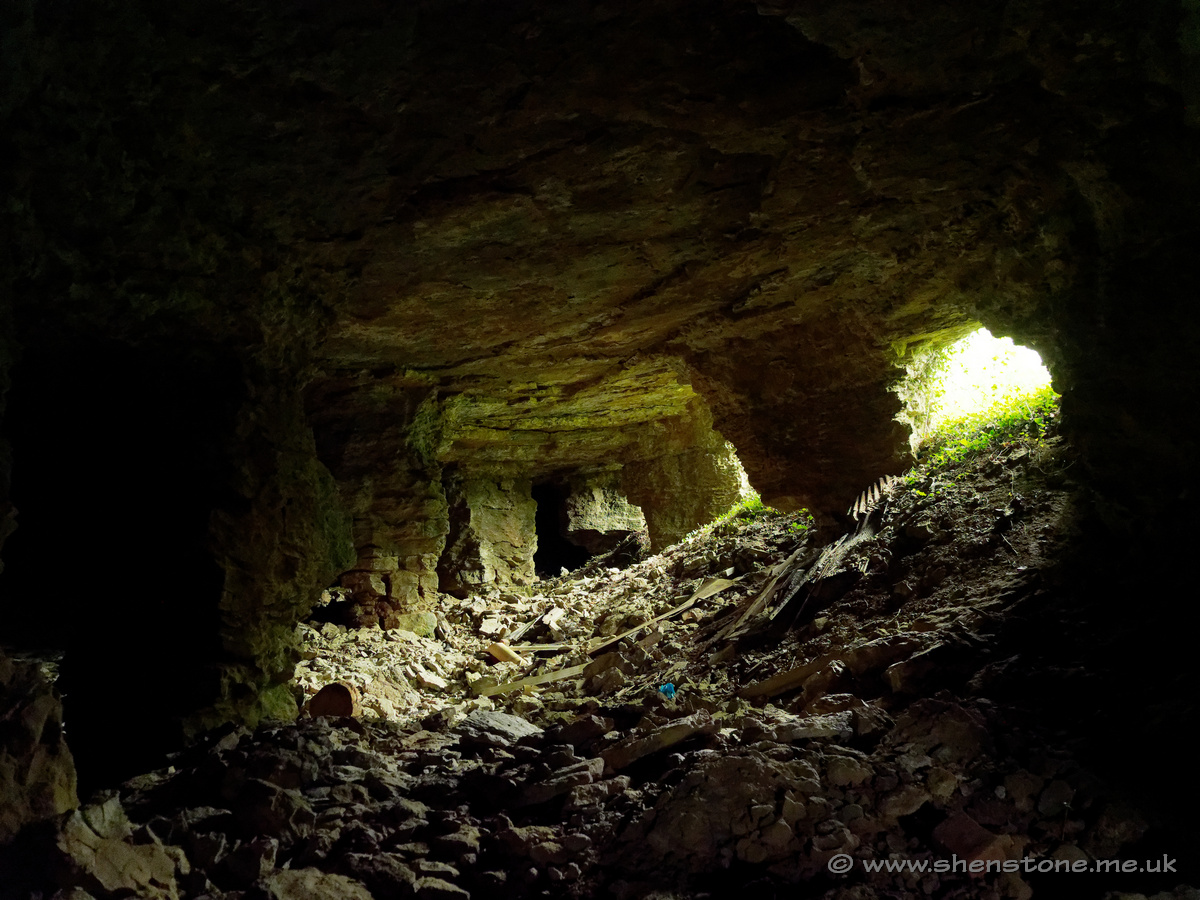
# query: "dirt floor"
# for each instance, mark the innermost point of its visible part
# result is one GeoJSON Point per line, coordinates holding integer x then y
{"type": "Point", "coordinates": [916, 705]}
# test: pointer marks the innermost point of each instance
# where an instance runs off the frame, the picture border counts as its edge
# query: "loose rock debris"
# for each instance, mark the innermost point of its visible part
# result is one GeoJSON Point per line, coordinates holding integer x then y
{"type": "Point", "coordinates": [835, 700]}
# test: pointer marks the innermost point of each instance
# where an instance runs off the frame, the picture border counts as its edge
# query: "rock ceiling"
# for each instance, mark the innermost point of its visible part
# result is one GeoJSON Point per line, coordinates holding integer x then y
{"type": "Point", "coordinates": [536, 208]}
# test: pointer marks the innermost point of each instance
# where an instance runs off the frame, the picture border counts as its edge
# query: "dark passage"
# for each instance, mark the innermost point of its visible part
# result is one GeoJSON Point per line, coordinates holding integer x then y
{"type": "Point", "coordinates": [554, 552]}
{"type": "Point", "coordinates": [116, 471]}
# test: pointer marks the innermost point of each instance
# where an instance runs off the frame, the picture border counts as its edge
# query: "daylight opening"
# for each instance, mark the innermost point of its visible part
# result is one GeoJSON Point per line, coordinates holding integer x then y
{"type": "Point", "coordinates": [967, 377]}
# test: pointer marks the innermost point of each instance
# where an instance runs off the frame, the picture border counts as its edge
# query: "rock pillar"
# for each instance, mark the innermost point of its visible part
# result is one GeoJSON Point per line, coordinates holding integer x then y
{"type": "Point", "coordinates": [681, 492]}
{"type": "Point", "coordinates": [598, 515]}
{"type": "Point", "coordinates": [492, 535]}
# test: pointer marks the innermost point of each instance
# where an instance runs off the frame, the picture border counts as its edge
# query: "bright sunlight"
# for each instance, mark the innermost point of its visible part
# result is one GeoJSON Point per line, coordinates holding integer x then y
{"type": "Point", "coordinates": [965, 378]}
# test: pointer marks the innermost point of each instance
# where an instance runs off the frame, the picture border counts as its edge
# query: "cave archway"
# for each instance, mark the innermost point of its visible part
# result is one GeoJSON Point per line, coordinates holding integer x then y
{"type": "Point", "coordinates": [555, 551]}
{"type": "Point", "coordinates": [118, 466]}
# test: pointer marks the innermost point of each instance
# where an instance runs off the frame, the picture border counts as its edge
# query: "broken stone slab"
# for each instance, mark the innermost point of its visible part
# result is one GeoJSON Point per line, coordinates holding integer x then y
{"type": "Point", "coordinates": [903, 802]}
{"type": "Point", "coordinates": [490, 728]}
{"type": "Point", "coordinates": [520, 840]}
{"type": "Point", "coordinates": [429, 680]}
{"type": "Point", "coordinates": [783, 682]}
{"type": "Point", "coordinates": [97, 853]}
{"type": "Point", "coordinates": [629, 751]}
{"type": "Point", "coordinates": [831, 726]}
{"type": "Point", "coordinates": [430, 888]}
{"type": "Point", "coordinates": [312, 884]}
{"type": "Point", "coordinates": [883, 652]}
{"type": "Point", "coordinates": [248, 862]}
{"type": "Point", "coordinates": [584, 730]}
{"type": "Point", "coordinates": [594, 794]}
{"type": "Point", "coordinates": [561, 782]}
{"type": "Point", "coordinates": [384, 874]}
{"type": "Point", "coordinates": [465, 839]}
{"type": "Point", "coordinates": [422, 624]}
{"type": "Point", "coordinates": [845, 771]}
{"type": "Point", "coordinates": [37, 771]}
{"type": "Point", "coordinates": [267, 809]}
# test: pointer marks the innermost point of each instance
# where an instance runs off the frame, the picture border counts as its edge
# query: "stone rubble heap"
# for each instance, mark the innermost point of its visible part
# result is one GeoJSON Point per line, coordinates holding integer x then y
{"type": "Point", "coordinates": [877, 727]}
{"type": "Point", "coordinates": [682, 797]}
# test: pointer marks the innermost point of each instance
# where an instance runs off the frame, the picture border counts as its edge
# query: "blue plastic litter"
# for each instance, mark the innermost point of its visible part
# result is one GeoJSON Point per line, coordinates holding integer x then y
{"type": "Point", "coordinates": [668, 691]}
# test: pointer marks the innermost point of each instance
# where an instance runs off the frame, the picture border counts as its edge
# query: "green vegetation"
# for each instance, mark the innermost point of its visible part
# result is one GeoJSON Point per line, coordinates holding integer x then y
{"type": "Point", "coordinates": [967, 377]}
{"type": "Point", "coordinates": [1014, 417]}
{"type": "Point", "coordinates": [749, 509]}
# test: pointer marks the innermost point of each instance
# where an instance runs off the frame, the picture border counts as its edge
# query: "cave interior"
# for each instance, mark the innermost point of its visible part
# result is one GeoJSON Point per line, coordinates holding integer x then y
{"type": "Point", "coordinates": [423, 301]}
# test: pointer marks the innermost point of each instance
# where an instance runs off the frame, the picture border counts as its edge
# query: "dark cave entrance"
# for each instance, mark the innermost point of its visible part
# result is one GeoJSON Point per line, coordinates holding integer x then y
{"type": "Point", "coordinates": [118, 465]}
{"type": "Point", "coordinates": [555, 551]}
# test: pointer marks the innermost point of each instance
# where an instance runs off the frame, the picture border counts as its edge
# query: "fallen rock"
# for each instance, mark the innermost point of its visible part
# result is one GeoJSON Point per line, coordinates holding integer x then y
{"type": "Point", "coordinates": [623, 754]}
{"type": "Point", "coordinates": [313, 884]}
{"type": "Point", "coordinates": [489, 728]}
{"type": "Point", "coordinates": [37, 772]}
{"type": "Point", "coordinates": [98, 854]}
{"type": "Point", "coordinates": [419, 623]}
{"type": "Point", "coordinates": [561, 782]}
{"type": "Point", "coordinates": [386, 875]}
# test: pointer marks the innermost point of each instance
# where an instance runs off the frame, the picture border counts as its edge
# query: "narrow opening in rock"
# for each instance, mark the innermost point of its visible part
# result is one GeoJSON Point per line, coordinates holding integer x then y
{"type": "Point", "coordinates": [555, 551]}
{"type": "Point", "coordinates": [109, 564]}
{"type": "Point", "coordinates": [967, 377]}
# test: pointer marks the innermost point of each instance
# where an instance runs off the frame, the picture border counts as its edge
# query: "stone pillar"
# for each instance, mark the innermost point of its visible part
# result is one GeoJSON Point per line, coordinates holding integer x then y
{"type": "Point", "coordinates": [399, 541]}
{"type": "Point", "coordinates": [598, 515]}
{"type": "Point", "coordinates": [492, 535]}
{"type": "Point", "coordinates": [679, 493]}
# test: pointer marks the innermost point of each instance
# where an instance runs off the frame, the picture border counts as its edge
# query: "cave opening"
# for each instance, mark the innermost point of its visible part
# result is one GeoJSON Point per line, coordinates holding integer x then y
{"type": "Point", "coordinates": [555, 551]}
{"type": "Point", "coordinates": [978, 375]}
{"type": "Point", "coordinates": [117, 468]}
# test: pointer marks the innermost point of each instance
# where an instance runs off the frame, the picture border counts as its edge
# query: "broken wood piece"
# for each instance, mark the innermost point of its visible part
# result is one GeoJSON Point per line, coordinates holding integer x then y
{"type": "Point", "coordinates": [519, 632]}
{"type": "Point", "coordinates": [790, 680]}
{"type": "Point", "coordinates": [686, 604]}
{"type": "Point", "coordinates": [531, 681]}
{"type": "Point", "coordinates": [764, 597]}
{"type": "Point", "coordinates": [504, 653]}
{"type": "Point", "coordinates": [713, 586]}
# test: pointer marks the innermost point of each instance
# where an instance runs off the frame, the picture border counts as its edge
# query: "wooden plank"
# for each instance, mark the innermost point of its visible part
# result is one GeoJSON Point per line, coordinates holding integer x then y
{"type": "Point", "coordinates": [519, 632]}
{"type": "Point", "coordinates": [786, 681]}
{"type": "Point", "coordinates": [686, 604]}
{"type": "Point", "coordinates": [531, 681]}
{"type": "Point", "coordinates": [758, 603]}
{"type": "Point", "coordinates": [713, 586]}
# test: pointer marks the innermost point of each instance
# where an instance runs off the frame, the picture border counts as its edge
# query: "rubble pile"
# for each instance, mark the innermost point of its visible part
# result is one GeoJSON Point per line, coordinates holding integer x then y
{"type": "Point", "coordinates": [762, 708]}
